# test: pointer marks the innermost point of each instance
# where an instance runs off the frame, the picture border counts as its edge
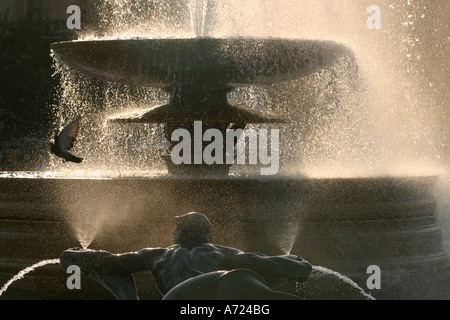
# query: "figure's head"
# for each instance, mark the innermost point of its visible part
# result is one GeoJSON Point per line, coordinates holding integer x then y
{"type": "Point", "coordinates": [193, 229]}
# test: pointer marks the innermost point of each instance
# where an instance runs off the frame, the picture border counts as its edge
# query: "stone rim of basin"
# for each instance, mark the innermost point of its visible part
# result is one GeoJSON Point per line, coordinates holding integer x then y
{"type": "Point", "coordinates": [214, 62]}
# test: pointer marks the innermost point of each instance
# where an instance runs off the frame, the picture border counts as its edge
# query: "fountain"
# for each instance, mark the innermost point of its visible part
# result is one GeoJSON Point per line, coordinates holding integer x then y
{"type": "Point", "coordinates": [344, 224]}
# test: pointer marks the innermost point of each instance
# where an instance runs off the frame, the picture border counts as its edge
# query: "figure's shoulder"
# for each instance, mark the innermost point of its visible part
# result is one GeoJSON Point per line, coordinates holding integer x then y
{"type": "Point", "coordinates": [152, 252]}
{"type": "Point", "coordinates": [172, 247]}
{"type": "Point", "coordinates": [221, 249]}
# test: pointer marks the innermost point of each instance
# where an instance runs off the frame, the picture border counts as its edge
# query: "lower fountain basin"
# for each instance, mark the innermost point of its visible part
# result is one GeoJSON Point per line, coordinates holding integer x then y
{"type": "Point", "coordinates": [343, 224]}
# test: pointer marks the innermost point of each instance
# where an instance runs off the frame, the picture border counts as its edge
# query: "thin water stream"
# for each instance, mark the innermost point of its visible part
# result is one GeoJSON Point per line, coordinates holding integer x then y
{"type": "Point", "coordinates": [44, 263]}
{"type": "Point", "coordinates": [26, 271]}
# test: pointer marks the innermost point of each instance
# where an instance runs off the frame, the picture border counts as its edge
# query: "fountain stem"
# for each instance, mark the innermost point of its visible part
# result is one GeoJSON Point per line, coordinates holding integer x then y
{"type": "Point", "coordinates": [193, 101]}
{"type": "Point", "coordinates": [199, 10]}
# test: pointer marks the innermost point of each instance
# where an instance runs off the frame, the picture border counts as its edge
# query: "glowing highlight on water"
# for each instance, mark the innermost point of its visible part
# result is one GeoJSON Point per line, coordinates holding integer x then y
{"type": "Point", "coordinates": [343, 278]}
{"type": "Point", "coordinates": [25, 271]}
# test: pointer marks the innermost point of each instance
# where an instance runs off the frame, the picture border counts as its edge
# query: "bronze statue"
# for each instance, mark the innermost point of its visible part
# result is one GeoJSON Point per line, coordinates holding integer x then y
{"type": "Point", "coordinates": [191, 254]}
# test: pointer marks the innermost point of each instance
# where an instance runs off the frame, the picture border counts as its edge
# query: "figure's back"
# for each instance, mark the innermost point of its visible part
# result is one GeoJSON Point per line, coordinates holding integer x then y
{"type": "Point", "coordinates": [178, 263]}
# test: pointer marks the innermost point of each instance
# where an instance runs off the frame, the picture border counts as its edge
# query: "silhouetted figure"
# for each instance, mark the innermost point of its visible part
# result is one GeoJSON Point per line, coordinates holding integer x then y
{"type": "Point", "coordinates": [190, 256]}
{"type": "Point", "coordinates": [237, 284]}
{"type": "Point", "coordinates": [65, 140]}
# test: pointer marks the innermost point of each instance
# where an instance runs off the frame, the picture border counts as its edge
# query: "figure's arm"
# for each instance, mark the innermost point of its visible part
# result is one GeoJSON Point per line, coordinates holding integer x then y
{"type": "Point", "coordinates": [276, 270]}
{"type": "Point", "coordinates": [104, 262]}
{"type": "Point", "coordinates": [113, 271]}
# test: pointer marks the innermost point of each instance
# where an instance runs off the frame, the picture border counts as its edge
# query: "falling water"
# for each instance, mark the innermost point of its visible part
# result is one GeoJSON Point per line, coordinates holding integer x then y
{"type": "Point", "coordinates": [198, 12]}
{"type": "Point", "coordinates": [25, 271]}
{"type": "Point", "coordinates": [354, 122]}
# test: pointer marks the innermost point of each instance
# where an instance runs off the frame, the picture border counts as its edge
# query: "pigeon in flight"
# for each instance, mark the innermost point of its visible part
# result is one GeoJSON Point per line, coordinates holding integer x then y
{"type": "Point", "coordinates": [65, 140]}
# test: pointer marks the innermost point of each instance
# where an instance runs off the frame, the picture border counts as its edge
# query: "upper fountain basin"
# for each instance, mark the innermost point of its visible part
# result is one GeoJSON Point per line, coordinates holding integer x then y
{"type": "Point", "coordinates": [234, 61]}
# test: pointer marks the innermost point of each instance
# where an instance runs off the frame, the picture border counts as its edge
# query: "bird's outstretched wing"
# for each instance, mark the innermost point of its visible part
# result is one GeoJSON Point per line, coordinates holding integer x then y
{"type": "Point", "coordinates": [69, 134]}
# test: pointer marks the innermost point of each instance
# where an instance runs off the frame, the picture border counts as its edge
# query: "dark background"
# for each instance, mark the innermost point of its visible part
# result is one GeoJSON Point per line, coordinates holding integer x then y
{"type": "Point", "coordinates": [28, 87]}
